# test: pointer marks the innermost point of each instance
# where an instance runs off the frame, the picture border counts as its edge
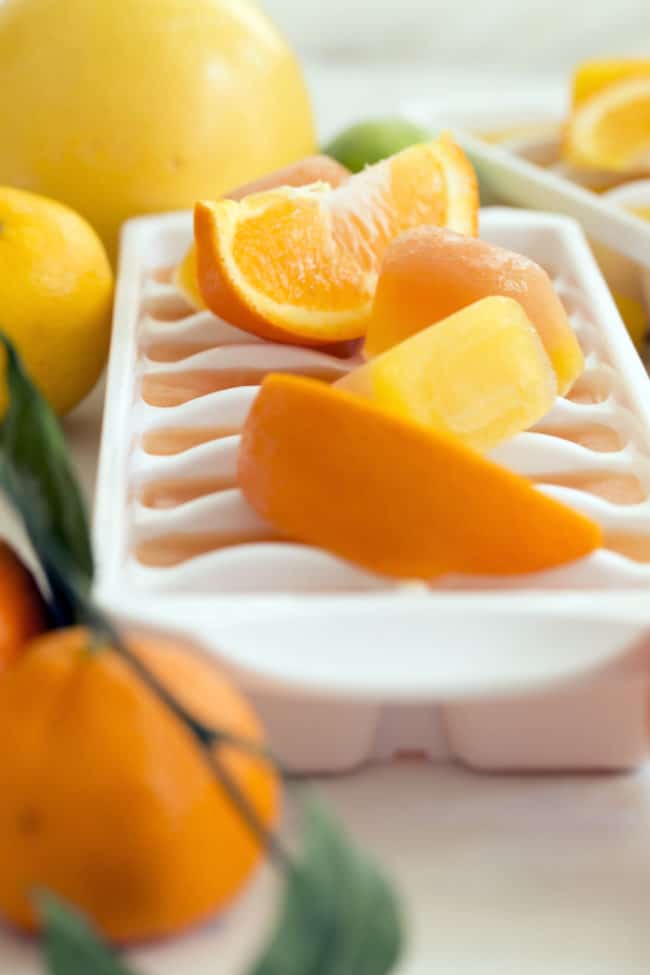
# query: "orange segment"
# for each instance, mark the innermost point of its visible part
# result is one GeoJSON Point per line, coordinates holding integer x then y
{"type": "Point", "coordinates": [481, 374]}
{"type": "Point", "coordinates": [611, 129]}
{"type": "Point", "coordinates": [313, 169]}
{"type": "Point", "coordinates": [430, 273]}
{"type": "Point", "coordinates": [592, 77]}
{"type": "Point", "coordinates": [333, 470]}
{"type": "Point", "coordinates": [300, 265]}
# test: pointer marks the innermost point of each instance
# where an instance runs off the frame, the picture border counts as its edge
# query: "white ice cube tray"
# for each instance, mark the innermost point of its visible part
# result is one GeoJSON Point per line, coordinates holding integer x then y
{"type": "Point", "coordinates": [345, 665]}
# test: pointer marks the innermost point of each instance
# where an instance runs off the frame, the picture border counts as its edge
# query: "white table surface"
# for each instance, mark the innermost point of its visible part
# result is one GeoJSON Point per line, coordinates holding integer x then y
{"type": "Point", "coordinates": [499, 876]}
{"type": "Point", "coordinates": [516, 875]}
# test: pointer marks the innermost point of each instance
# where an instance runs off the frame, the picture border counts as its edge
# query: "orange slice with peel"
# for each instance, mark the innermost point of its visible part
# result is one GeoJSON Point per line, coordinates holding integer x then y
{"type": "Point", "coordinates": [481, 374]}
{"type": "Point", "coordinates": [611, 129]}
{"type": "Point", "coordinates": [312, 169]}
{"type": "Point", "coordinates": [300, 265]}
{"type": "Point", "coordinates": [333, 470]}
{"type": "Point", "coordinates": [596, 74]}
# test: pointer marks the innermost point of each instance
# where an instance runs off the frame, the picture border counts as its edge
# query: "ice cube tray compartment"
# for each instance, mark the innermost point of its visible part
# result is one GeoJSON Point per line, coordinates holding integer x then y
{"type": "Point", "coordinates": [188, 518]}
{"type": "Point", "coordinates": [319, 642]}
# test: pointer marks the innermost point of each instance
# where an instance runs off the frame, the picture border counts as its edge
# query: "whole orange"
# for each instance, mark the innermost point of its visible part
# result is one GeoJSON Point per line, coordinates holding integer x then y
{"type": "Point", "coordinates": [22, 610]}
{"type": "Point", "coordinates": [105, 797]}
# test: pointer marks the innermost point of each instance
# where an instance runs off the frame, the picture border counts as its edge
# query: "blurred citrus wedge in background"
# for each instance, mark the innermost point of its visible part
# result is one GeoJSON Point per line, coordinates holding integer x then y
{"type": "Point", "coordinates": [313, 169]}
{"type": "Point", "coordinates": [429, 273]}
{"type": "Point", "coordinates": [300, 265]}
{"type": "Point", "coordinates": [334, 470]}
{"type": "Point", "coordinates": [481, 374]}
{"type": "Point", "coordinates": [56, 289]}
{"type": "Point", "coordinates": [140, 107]}
{"type": "Point", "coordinates": [596, 74]}
{"type": "Point", "coordinates": [611, 129]}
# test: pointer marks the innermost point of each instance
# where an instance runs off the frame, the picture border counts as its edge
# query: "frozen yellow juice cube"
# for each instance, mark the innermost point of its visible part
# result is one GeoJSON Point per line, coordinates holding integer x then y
{"type": "Point", "coordinates": [481, 374]}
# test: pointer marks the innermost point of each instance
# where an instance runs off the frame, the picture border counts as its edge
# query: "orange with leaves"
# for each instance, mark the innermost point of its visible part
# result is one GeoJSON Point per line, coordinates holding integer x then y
{"type": "Point", "coordinates": [106, 798]}
{"type": "Point", "coordinates": [119, 760]}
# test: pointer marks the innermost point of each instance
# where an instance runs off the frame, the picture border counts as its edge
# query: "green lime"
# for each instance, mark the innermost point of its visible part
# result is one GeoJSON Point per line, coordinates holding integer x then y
{"type": "Point", "coordinates": [370, 142]}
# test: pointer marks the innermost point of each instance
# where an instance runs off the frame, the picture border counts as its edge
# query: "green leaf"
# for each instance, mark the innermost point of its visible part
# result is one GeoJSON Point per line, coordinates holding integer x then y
{"type": "Point", "coordinates": [37, 477]}
{"type": "Point", "coordinates": [339, 915]}
{"type": "Point", "coordinates": [71, 945]}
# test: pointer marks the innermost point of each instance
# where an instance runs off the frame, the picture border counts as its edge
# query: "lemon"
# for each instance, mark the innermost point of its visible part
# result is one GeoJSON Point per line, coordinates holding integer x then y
{"type": "Point", "coordinates": [121, 107]}
{"type": "Point", "coordinates": [369, 142]}
{"type": "Point", "coordinates": [56, 286]}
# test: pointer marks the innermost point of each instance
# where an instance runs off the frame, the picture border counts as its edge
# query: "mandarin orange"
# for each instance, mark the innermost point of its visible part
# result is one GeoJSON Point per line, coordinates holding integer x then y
{"type": "Point", "coordinates": [104, 796]}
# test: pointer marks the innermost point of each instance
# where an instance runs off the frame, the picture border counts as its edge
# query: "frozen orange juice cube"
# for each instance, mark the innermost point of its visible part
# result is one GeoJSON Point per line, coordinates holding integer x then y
{"type": "Point", "coordinates": [429, 273]}
{"type": "Point", "coordinates": [481, 374]}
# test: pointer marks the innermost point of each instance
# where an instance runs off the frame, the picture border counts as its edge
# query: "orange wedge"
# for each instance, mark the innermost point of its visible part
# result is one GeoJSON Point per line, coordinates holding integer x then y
{"type": "Point", "coordinates": [611, 128]}
{"type": "Point", "coordinates": [331, 469]}
{"type": "Point", "coordinates": [300, 265]}
{"type": "Point", "coordinates": [313, 169]}
{"type": "Point", "coordinates": [593, 76]}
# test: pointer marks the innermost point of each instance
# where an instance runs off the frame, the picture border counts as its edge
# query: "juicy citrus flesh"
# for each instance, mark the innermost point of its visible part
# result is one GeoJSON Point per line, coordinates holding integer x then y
{"type": "Point", "coordinates": [23, 614]}
{"type": "Point", "coordinates": [481, 374]}
{"type": "Point", "coordinates": [430, 273]}
{"type": "Point", "coordinates": [312, 169]}
{"type": "Point", "coordinates": [301, 264]}
{"type": "Point", "coordinates": [139, 107]}
{"type": "Point", "coordinates": [331, 469]}
{"type": "Point", "coordinates": [611, 129]}
{"type": "Point", "coordinates": [593, 76]}
{"type": "Point", "coordinates": [56, 289]}
{"type": "Point", "coordinates": [108, 800]}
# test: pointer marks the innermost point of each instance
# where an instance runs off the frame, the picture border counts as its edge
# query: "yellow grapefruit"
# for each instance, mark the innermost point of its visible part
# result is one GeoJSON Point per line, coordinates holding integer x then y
{"type": "Point", "coordinates": [120, 108]}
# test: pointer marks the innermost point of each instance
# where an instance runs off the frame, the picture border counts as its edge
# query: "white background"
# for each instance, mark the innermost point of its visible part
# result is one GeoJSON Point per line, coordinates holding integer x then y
{"type": "Point", "coordinates": [540, 37]}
